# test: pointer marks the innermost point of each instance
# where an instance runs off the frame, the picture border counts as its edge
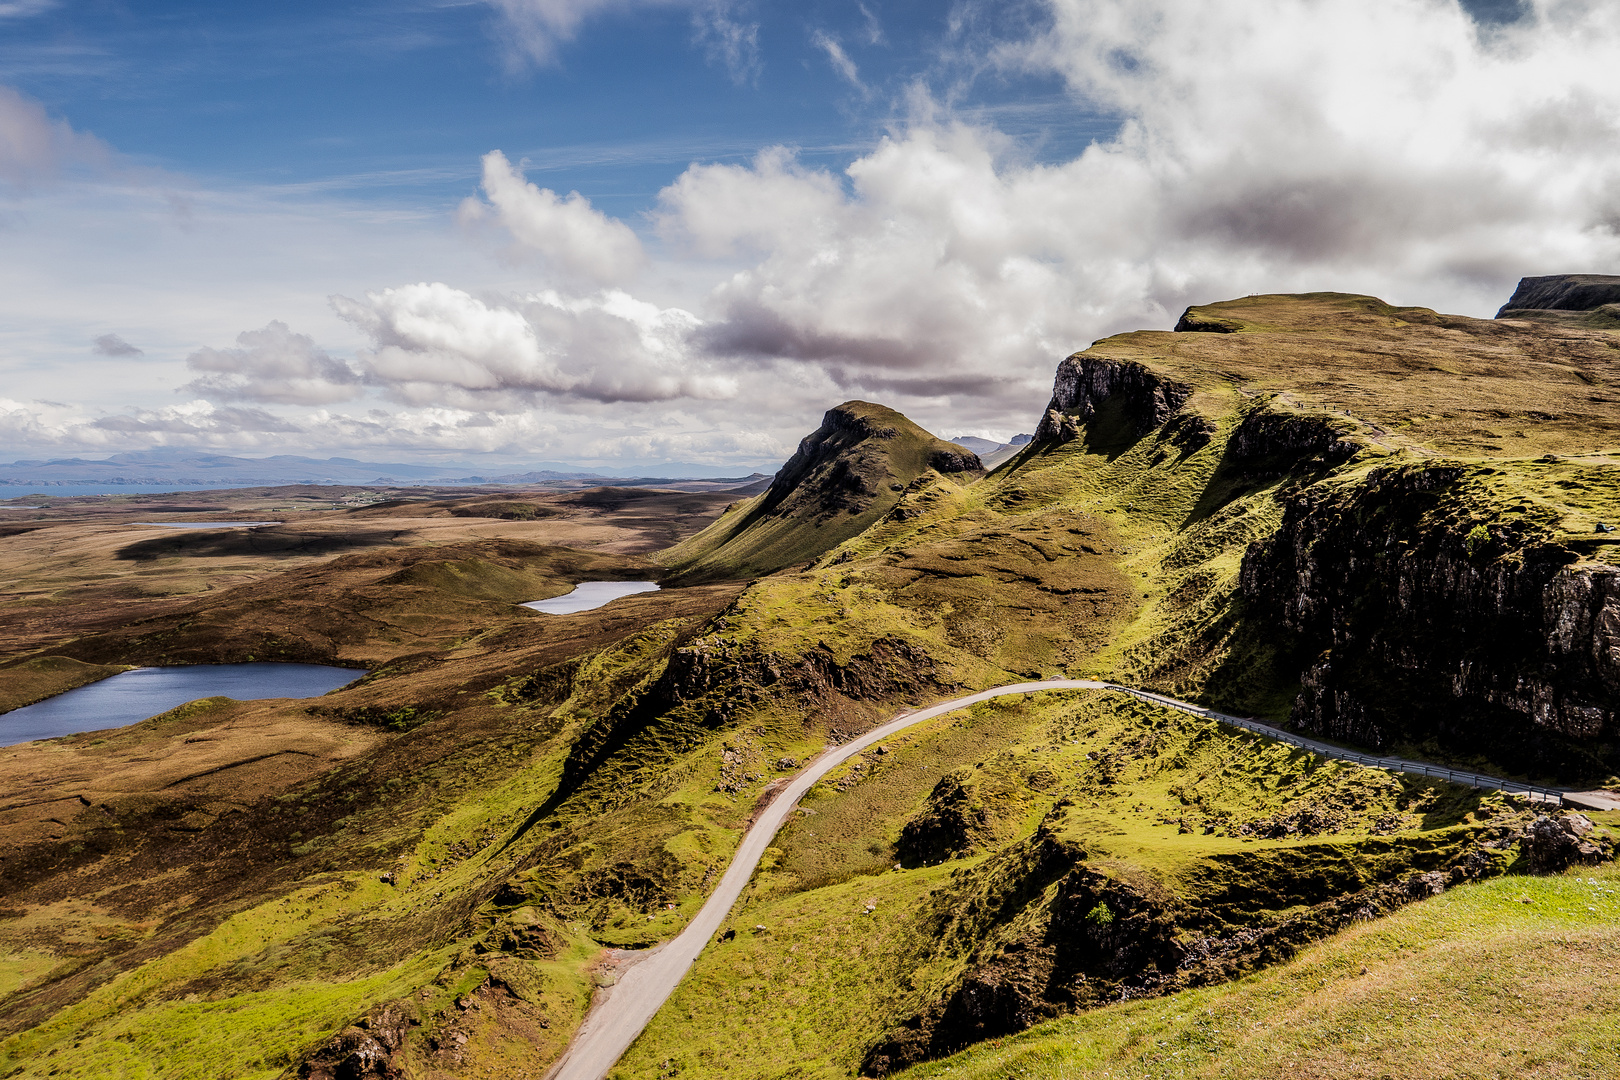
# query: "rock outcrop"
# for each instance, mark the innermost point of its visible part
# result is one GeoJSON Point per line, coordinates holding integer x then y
{"type": "Point", "coordinates": [1298, 441]}
{"type": "Point", "coordinates": [1145, 397]}
{"type": "Point", "coordinates": [1562, 292]}
{"type": "Point", "coordinates": [1417, 615]}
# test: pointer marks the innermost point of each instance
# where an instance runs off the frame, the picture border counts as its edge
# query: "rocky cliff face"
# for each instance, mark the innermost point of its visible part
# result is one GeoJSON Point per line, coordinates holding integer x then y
{"type": "Point", "coordinates": [1083, 383]}
{"type": "Point", "coordinates": [1299, 440]}
{"type": "Point", "coordinates": [1563, 292]}
{"type": "Point", "coordinates": [1417, 615]}
{"type": "Point", "coordinates": [1587, 300]}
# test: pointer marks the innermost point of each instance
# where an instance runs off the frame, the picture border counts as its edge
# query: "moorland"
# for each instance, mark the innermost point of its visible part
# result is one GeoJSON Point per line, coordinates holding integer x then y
{"type": "Point", "coordinates": [1384, 527]}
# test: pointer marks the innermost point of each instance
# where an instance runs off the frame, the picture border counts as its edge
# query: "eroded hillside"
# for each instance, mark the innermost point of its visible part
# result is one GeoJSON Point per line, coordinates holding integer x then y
{"type": "Point", "coordinates": [1314, 507]}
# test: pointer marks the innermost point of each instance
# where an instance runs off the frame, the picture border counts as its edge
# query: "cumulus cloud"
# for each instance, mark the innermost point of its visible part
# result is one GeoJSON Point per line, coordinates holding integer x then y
{"type": "Point", "coordinates": [1396, 140]}
{"type": "Point", "coordinates": [571, 237]}
{"type": "Point", "coordinates": [35, 149]}
{"type": "Point", "coordinates": [113, 345]}
{"type": "Point", "coordinates": [1394, 147]}
{"type": "Point", "coordinates": [434, 343]}
{"type": "Point", "coordinates": [273, 365]}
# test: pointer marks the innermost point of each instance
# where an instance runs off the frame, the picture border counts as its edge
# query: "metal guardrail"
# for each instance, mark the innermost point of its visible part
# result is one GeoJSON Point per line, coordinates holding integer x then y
{"type": "Point", "coordinates": [1535, 793]}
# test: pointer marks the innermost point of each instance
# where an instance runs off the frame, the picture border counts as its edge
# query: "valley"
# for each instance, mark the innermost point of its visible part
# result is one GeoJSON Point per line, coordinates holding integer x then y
{"type": "Point", "coordinates": [1381, 528]}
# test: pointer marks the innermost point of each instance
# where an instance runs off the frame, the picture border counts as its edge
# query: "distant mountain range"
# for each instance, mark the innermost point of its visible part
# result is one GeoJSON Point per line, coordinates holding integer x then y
{"type": "Point", "coordinates": [151, 467]}
{"type": "Point", "coordinates": [992, 453]}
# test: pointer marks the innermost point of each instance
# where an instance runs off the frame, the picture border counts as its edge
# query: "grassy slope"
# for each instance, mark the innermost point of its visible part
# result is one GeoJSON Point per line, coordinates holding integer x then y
{"type": "Point", "coordinates": [1506, 978]}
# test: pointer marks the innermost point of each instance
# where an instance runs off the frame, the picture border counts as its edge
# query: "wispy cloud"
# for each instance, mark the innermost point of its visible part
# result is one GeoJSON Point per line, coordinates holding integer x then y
{"type": "Point", "coordinates": [21, 9]}
{"type": "Point", "coordinates": [729, 40]}
{"type": "Point", "coordinates": [534, 30]}
{"type": "Point", "coordinates": [874, 28]}
{"type": "Point", "coordinates": [839, 59]}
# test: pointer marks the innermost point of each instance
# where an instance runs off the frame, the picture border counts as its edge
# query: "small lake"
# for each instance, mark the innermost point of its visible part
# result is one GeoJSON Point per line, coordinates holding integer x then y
{"type": "Point", "coordinates": [589, 595]}
{"type": "Point", "coordinates": [133, 696]}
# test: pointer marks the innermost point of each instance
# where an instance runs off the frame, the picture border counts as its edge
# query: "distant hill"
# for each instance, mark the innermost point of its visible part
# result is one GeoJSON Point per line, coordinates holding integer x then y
{"type": "Point", "coordinates": [846, 475]}
{"type": "Point", "coordinates": [203, 470]}
{"type": "Point", "coordinates": [991, 453]}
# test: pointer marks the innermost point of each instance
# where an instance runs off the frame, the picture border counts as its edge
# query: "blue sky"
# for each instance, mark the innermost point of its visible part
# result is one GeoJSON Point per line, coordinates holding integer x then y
{"type": "Point", "coordinates": [395, 102]}
{"type": "Point", "coordinates": [348, 227]}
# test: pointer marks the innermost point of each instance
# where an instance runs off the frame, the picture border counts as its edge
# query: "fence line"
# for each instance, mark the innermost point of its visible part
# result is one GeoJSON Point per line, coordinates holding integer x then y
{"type": "Point", "coordinates": [1534, 792]}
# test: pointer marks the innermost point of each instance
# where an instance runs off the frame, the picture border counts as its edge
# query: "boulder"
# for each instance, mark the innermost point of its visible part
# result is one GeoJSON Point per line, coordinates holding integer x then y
{"type": "Point", "coordinates": [1556, 842]}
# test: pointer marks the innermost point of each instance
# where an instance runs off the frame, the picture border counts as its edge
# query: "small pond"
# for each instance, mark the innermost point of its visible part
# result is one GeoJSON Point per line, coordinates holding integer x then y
{"type": "Point", "coordinates": [145, 692]}
{"type": "Point", "coordinates": [589, 595]}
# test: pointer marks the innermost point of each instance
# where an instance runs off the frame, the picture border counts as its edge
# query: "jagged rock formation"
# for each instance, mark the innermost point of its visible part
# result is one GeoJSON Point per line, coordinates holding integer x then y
{"type": "Point", "coordinates": [1418, 614]}
{"type": "Point", "coordinates": [845, 475]}
{"type": "Point", "coordinates": [1581, 299]}
{"type": "Point", "coordinates": [1144, 397]}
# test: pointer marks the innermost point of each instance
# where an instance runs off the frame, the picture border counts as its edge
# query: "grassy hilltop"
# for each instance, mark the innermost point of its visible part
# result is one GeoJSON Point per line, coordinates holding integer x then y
{"type": "Point", "coordinates": [1321, 508]}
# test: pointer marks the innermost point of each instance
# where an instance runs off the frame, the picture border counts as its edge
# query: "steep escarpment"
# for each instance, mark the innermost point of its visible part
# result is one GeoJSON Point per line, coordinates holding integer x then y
{"type": "Point", "coordinates": [1591, 300]}
{"type": "Point", "coordinates": [1424, 612]}
{"type": "Point", "coordinates": [844, 476]}
{"type": "Point", "coordinates": [1141, 397]}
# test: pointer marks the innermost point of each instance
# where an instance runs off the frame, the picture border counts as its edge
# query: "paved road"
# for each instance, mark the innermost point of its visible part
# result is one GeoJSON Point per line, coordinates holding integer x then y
{"type": "Point", "coordinates": [609, 1030]}
{"type": "Point", "coordinates": [629, 1006]}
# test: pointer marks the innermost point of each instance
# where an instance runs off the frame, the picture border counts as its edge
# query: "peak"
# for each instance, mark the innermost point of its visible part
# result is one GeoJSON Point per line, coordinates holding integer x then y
{"type": "Point", "coordinates": [844, 475]}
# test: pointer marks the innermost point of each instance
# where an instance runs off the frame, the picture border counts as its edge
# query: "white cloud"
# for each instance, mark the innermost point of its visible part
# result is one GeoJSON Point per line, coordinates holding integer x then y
{"type": "Point", "coordinates": [874, 27]}
{"type": "Point", "coordinates": [434, 343]}
{"type": "Point", "coordinates": [35, 149]}
{"type": "Point", "coordinates": [729, 41]}
{"type": "Point", "coordinates": [575, 240]}
{"type": "Point", "coordinates": [273, 365]}
{"type": "Point", "coordinates": [1388, 147]}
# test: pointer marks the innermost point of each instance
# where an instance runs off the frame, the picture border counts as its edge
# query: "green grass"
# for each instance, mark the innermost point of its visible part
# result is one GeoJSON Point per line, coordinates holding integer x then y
{"type": "Point", "coordinates": [1505, 978]}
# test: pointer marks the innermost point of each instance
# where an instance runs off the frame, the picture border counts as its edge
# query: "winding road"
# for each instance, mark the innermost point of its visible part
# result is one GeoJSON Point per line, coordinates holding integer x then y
{"type": "Point", "coordinates": [624, 1010]}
